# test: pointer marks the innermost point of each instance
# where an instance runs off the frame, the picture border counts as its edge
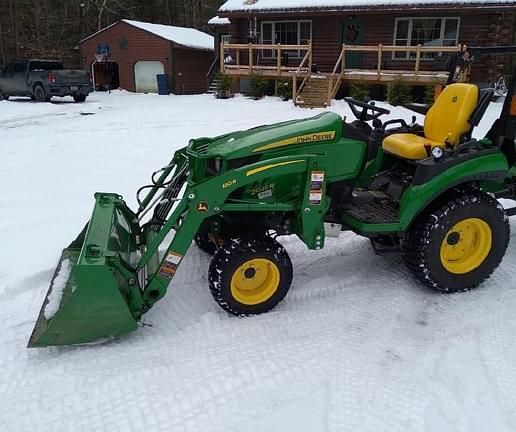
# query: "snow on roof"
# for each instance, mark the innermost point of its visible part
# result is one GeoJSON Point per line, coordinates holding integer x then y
{"type": "Point", "coordinates": [216, 20]}
{"type": "Point", "coordinates": [185, 36]}
{"type": "Point", "coordinates": [262, 5]}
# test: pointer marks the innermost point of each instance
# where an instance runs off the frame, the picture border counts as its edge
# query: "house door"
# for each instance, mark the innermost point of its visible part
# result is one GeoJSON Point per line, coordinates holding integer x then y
{"type": "Point", "coordinates": [353, 34]}
{"type": "Point", "coordinates": [145, 76]}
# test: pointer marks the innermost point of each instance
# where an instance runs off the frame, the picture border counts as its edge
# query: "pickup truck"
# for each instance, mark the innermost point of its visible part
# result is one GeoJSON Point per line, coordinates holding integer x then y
{"type": "Point", "coordinates": [42, 79]}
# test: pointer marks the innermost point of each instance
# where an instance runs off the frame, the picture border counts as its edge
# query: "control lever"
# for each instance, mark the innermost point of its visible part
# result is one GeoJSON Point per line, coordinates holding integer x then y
{"type": "Point", "coordinates": [377, 123]}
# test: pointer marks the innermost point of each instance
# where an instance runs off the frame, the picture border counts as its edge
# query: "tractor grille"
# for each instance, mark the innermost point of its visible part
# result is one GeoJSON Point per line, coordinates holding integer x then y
{"type": "Point", "coordinates": [203, 148]}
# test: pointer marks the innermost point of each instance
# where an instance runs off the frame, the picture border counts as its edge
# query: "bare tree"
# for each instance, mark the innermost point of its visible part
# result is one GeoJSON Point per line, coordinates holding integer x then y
{"type": "Point", "coordinates": [53, 28]}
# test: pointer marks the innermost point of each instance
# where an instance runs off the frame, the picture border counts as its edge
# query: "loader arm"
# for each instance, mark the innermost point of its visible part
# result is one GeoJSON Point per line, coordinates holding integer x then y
{"type": "Point", "coordinates": [210, 197]}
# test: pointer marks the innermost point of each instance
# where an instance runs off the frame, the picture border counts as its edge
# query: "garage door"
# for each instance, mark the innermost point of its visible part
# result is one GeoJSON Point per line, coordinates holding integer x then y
{"type": "Point", "coordinates": [145, 76]}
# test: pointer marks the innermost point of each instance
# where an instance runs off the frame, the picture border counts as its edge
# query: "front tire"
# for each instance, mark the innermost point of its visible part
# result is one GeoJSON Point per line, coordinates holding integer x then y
{"type": "Point", "coordinates": [207, 244]}
{"type": "Point", "coordinates": [250, 276]}
{"type": "Point", "coordinates": [458, 245]}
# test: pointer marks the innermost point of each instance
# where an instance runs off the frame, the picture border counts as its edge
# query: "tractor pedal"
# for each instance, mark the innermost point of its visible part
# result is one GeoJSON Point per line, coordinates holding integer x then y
{"type": "Point", "coordinates": [368, 196]}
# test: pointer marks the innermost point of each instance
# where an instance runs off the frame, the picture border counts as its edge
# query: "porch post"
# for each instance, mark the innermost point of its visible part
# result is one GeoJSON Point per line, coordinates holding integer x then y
{"type": "Point", "coordinates": [250, 58]}
{"type": "Point", "coordinates": [278, 58]}
{"type": "Point", "coordinates": [438, 88]}
{"type": "Point", "coordinates": [310, 56]}
{"type": "Point", "coordinates": [379, 70]}
{"type": "Point", "coordinates": [221, 57]}
{"type": "Point", "coordinates": [294, 89]}
{"type": "Point", "coordinates": [418, 58]}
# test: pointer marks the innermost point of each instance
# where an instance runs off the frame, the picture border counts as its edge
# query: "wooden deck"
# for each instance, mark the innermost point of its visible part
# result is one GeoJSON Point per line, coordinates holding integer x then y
{"type": "Point", "coordinates": [243, 60]}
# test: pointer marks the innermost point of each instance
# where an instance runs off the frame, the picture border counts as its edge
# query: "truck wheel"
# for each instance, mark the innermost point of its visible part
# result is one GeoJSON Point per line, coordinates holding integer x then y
{"type": "Point", "coordinates": [79, 97]}
{"type": "Point", "coordinates": [250, 276]}
{"type": "Point", "coordinates": [458, 245]}
{"type": "Point", "coordinates": [40, 94]}
{"type": "Point", "coordinates": [4, 97]}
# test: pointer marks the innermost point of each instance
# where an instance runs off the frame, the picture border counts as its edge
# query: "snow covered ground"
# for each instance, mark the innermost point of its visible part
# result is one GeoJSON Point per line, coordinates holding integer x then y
{"type": "Point", "coordinates": [356, 346]}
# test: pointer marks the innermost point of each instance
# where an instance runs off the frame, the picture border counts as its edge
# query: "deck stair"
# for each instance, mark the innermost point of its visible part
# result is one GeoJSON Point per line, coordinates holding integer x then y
{"type": "Point", "coordinates": [212, 87]}
{"type": "Point", "coordinates": [314, 94]}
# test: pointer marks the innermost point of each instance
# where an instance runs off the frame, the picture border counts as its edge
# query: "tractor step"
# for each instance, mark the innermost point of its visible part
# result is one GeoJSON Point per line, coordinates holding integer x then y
{"type": "Point", "coordinates": [385, 245]}
{"type": "Point", "coordinates": [378, 212]}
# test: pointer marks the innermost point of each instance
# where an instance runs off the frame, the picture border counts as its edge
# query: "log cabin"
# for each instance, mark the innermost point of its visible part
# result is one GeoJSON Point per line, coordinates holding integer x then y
{"type": "Point", "coordinates": [320, 44]}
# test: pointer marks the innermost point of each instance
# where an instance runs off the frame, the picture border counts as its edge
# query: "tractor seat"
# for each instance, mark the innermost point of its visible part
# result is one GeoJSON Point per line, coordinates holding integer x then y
{"type": "Point", "coordinates": [445, 124]}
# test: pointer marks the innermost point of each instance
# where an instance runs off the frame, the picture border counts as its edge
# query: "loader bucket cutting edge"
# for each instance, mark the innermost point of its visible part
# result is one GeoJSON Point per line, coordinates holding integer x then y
{"type": "Point", "coordinates": [89, 298]}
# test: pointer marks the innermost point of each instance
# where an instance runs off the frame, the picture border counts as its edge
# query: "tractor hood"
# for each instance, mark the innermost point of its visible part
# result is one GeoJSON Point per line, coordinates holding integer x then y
{"type": "Point", "coordinates": [325, 127]}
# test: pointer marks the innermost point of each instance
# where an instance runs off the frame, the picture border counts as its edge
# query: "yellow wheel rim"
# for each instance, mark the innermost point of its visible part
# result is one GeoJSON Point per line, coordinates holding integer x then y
{"type": "Point", "coordinates": [255, 281]}
{"type": "Point", "coordinates": [466, 246]}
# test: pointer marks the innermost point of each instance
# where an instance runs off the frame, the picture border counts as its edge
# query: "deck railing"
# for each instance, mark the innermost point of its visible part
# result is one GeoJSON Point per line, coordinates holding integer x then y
{"type": "Point", "coordinates": [300, 72]}
{"type": "Point", "coordinates": [276, 61]}
{"type": "Point", "coordinates": [248, 59]}
{"type": "Point", "coordinates": [379, 73]}
{"type": "Point", "coordinates": [211, 72]}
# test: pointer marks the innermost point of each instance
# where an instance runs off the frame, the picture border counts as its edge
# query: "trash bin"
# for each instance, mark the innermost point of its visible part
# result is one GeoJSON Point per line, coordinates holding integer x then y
{"type": "Point", "coordinates": [163, 84]}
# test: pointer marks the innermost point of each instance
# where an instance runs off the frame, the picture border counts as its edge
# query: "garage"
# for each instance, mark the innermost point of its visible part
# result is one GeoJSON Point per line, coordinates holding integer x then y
{"type": "Point", "coordinates": [145, 73]}
{"type": "Point", "coordinates": [130, 54]}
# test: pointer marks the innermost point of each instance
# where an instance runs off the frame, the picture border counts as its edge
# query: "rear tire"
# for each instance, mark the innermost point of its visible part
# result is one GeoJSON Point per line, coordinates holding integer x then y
{"type": "Point", "coordinates": [4, 97]}
{"type": "Point", "coordinates": [250, 276]}
{"type": "Point", "coordinates": [79, 98]}
{"type": "Point", "coordinates": [40, 95]}
{"type": "Point", "coordinates": [457, 245]}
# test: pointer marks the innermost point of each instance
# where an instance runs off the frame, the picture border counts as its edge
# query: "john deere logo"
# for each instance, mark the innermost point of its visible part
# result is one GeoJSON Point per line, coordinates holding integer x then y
{"type": "Point", "coordinates": [455, 99]}
{"type": "Point", "coordinates": [301, 139]}
{"type": "Point", "coordinates": [202, 207]}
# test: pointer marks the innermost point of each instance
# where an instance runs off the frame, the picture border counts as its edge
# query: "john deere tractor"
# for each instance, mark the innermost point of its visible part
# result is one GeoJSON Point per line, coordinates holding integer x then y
{"type": "Point", "coordinates": [428, 192]}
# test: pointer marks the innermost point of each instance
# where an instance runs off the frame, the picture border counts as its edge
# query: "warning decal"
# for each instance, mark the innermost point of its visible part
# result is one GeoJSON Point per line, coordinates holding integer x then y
{"type": "Point", "coordinates": [316, 187]}
{"type": "Point", "coordinates": [169, 267]}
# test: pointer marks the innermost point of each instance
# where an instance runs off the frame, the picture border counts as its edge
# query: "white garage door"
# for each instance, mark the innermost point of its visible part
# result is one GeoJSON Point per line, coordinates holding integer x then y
{"type": "Point", "coordinates": [145, 76]}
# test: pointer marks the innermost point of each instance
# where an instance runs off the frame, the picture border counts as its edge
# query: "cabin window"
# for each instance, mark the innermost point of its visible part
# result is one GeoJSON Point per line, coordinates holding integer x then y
{"type": "Point", "coordinates": [286, 33]}
{"type": "Point", "coordinates": [433, 31]}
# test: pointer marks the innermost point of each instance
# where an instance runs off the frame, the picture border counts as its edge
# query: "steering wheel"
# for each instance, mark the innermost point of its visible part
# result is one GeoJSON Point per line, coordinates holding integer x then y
{"type": "Point", "coordinates": [363, 114]}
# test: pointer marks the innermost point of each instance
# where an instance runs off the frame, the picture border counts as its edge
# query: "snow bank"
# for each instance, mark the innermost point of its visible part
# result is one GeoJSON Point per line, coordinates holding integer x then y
{"type": "Point", "coordinates": [251, 5]}
{"type": "Point", "coordinates": [58, 287]}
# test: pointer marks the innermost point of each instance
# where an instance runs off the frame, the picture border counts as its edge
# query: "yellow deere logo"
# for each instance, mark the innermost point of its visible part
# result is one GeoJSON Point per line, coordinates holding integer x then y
{"type": "Point", "coordinates": [202, 207]}
{"type": "Point", "coordinates": [301, 139]}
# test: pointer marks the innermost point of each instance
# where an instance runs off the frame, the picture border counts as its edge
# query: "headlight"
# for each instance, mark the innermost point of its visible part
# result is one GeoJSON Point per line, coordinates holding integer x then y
{"type": "Point", "coordinates": [218, 165]}
{"type": "Point", "coordinates": [214, 166]}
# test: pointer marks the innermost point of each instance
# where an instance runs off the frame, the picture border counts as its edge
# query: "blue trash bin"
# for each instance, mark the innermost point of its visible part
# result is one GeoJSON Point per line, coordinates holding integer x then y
{"type": "Point", "coordinates": [163, 84]}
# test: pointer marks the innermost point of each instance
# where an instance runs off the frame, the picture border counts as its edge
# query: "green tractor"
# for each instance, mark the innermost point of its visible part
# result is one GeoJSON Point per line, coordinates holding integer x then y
{"type": "Point", "coordinates": [429, 192]}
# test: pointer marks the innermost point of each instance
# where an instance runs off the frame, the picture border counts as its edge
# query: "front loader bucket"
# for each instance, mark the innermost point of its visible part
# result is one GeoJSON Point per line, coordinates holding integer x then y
{"type": "Point", "coordinates": [93, 293]}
